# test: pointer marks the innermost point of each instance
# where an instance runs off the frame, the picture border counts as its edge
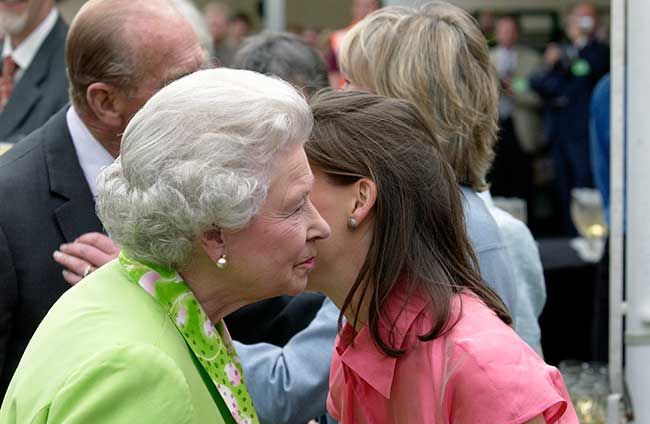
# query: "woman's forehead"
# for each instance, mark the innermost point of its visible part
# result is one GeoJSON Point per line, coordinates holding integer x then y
{"type": "Point", "coordinates": [294, 177]}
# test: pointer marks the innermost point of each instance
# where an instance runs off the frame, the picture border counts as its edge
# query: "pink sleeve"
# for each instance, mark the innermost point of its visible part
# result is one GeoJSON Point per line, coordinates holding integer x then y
{"type": "Point", "coordinates": [501, 380]}
{"type": "Point", "coordinates": [336, 387]}
{"type": "Point", "coordinates": [332, 408]}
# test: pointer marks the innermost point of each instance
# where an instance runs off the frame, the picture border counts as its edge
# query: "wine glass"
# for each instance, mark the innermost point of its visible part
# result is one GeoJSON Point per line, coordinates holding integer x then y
{"type": "Point", "coordinates": [4, 147]}
{"type": "Point", "coordinates": [588, 216]}
{"type": "Point", "coordinates": [588, 386]}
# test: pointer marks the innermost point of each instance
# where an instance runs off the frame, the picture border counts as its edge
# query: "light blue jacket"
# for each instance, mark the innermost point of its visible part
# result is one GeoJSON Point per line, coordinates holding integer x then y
{"type": "Point", "coordinates": [527, 267]}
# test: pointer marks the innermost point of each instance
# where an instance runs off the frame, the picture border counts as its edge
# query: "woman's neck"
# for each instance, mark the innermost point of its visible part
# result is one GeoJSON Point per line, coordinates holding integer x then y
{"type": "Point", "coordinates": [347, 272]}
{"type": "Point", "coordinates": [217, 298]}
{"type": "Point", "coordinates": [338, 293]}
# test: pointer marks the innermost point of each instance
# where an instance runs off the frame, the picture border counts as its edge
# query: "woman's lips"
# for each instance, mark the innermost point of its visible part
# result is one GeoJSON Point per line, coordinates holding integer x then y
{"type": "Point", "coordinates": [309, 263]}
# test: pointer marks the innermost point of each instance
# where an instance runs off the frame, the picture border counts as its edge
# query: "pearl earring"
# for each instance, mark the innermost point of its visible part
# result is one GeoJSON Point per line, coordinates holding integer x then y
{"type": "Point", "coordinates": [352, 223]}
{"type": "Point", "coordinates": [222, 262]}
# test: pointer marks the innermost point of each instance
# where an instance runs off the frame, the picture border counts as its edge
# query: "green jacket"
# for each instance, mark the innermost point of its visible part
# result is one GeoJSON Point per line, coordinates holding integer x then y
{"type": "Point", "coordinates": [107, 353]}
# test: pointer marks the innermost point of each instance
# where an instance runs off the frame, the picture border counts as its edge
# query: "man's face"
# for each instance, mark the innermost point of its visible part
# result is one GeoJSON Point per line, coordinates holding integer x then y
{"type": "Point", "coordinates": [217, 24]}
{"type": "Point", "coordinates": [17, 16]}
{"type": "Point", "coordinates": [169, 55]}
{"type": "Point", "coordinates": [506, 33]}
{"type": "Point", "coordinates": [239, 28]}
{"type": "Point", "coordinates": [582, 22]}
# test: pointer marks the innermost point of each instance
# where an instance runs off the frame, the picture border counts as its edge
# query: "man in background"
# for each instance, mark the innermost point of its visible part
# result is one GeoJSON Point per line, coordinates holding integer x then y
{"type": "Point", "coordinates": [520, 113]}
{"type": "Point", "coordinates": [216, 17]}
{"type": "Point", "coordinates": [33, 84]}
{"type": "Point", "coordinates": [572, 72]}
{"type": "Point", "coordinates": [228, 31]}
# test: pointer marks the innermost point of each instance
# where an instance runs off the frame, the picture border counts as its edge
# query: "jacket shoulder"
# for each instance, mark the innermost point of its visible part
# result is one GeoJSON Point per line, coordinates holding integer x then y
{"type": "Point", "coordinates": [28, 154]}
{"type": "Point", "coordinates": [19, 165]}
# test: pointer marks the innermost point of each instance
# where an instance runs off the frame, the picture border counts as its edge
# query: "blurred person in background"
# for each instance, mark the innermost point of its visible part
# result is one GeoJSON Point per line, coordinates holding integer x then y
{"type": "Point", "coordinates": [566, 85]}
{"type": "Point", "coordinates": [216, 17]}
{"type": "Point", "coordinates": [285, 56]}
{"type": "Point", "coordinates": [211, 214]}
{"type": "Point", "coordinates": [360, 9]}
{"type": "Point", "coordinates": [118, 54]}
{"type": "Point", "coordinates": [487, 23]}
{"type": "Point", "coordinates": [239, 27]}
{"type": "Point", "coordinates": [600, 145]}
{"type": "Point", "coordinates": [33, 85]}
{"type": "Point", "coordinates": [312, 36]}
{"type": "Point", "coordinates": [520, 114]}
{"type": "Point", "coordinates": [599, 139]}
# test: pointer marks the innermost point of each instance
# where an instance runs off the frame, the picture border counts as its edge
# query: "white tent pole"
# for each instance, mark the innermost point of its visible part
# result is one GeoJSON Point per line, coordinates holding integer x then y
{"type": "Point", "coordinates": [617, 179]}
{"type": "Point", "coordinates": [275, 15]}
{"type": "Point", "coordinates": [637, 337]}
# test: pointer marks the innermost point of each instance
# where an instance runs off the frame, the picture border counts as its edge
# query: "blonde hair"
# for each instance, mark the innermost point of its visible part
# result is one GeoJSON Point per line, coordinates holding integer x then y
{"type": "Point", "coordinates": [436, 57]}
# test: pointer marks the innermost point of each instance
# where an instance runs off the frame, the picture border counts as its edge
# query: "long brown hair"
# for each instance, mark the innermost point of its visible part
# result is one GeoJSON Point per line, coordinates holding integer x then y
{"type": "Point", "coordinates": [419, 228]}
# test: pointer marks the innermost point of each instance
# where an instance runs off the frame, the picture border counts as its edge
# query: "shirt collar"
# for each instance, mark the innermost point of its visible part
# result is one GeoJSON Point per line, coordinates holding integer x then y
{"type": "Point", "coordinates": [486, 196]}
{"type": "Point", "coordinates": [364, 358]}
{"type": "Point", "coordinates": [25, 52]}
{"type": "Point", "coordinates": [93, 157]}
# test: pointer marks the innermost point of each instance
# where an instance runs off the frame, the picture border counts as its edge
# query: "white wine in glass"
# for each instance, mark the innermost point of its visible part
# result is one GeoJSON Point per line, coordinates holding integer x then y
{"type": "Point", "coordinates": [4, 147]}
{"type": "Point", "coordinates": [588, 214]}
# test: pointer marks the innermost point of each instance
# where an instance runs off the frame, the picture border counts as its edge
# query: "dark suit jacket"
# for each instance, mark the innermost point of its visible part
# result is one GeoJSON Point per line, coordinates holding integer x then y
{"type": "Point", "coordinates": [274, 320]}
{"type": "Point", "coordinates": [42, 90]}
{"type": "Point", "coordinates": [44, 201]}
{"type": "Point", "coordinates": [567, 96]}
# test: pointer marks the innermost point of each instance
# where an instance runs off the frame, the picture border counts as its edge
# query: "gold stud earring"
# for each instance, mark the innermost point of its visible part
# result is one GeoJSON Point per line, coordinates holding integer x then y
{"type": "Point", "coordinates": [222, 262]}
{"type": "Point", "coordinates": [352, 223]}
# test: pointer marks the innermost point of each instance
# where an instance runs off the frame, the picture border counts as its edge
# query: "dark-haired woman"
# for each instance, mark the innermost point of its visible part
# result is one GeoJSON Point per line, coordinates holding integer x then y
{"type": "Point", "coordinates": [425, 340]}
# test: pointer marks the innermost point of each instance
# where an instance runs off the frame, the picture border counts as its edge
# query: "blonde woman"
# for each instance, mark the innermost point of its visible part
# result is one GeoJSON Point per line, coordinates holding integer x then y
{"type": "Point", "coordinates": [436, 57]}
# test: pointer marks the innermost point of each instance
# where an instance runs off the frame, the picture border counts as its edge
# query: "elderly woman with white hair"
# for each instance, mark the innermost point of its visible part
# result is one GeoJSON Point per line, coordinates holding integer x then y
{"type": "Point", "coordinates": [209, 202]}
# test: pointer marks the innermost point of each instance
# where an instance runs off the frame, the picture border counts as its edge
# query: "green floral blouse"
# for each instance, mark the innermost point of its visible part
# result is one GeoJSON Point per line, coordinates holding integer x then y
{"type": "Point", "coordinates": [211, 344]}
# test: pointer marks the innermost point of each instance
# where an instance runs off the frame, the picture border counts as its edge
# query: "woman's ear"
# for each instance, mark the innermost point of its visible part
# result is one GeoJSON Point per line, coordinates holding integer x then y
{"type": "Point", "coordinates": [213, 244]}
{"type": "Point", "coordinates": [366, 193]}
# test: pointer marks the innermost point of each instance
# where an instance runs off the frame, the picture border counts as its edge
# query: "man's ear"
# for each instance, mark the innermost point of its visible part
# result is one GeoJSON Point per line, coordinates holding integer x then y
{"type": "Point", "coordinates": [103, 100]}
{"type": "Point", "coordinates": [213, 243]}
{"type": "Point", "coordinates": [366, 193]}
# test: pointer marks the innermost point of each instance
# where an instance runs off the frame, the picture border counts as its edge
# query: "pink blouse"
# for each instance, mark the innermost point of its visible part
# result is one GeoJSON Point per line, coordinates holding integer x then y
{"type": "Point", "coordinates": [479, 372]}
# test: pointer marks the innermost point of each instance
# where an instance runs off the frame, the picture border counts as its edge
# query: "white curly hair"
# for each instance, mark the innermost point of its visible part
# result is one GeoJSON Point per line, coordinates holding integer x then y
{"type": "Point", "coordinates": [199, 155]}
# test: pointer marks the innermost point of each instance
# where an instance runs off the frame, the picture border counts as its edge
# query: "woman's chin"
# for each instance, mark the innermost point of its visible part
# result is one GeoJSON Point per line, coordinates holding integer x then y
{"type": "Point", "coordinates": [297, 287]}
{"type": "Point", "coordinates": [314, 282]}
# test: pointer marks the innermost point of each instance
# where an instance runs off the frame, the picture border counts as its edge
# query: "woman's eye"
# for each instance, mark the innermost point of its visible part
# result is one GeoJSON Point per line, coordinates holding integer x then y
{"type": "Point", "coordinates": [300, 208]}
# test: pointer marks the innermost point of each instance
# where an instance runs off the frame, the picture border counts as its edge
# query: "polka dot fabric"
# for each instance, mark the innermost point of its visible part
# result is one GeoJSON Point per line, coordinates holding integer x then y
{"type": "Point", "coordinates": [211, 344]}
